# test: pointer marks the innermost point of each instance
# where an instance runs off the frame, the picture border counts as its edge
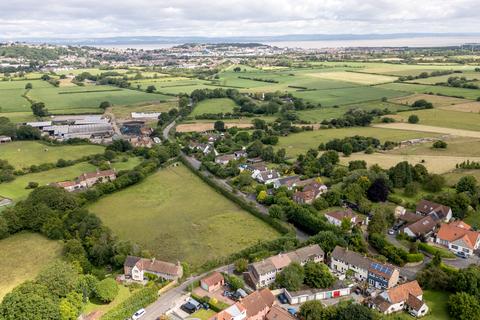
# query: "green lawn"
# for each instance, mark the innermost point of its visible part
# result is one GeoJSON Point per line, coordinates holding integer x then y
{"type": "Point", "coordinates": [221, 105]}
{"type": "Point", "coordinates": [202, 314]}
{"type": "Point", "coordinates": [300, 142]}
{"type": "Point", "coordinates": [96, 305]}
{"type": "Point", "coordinates": [22, 256]}
{"type": "Point", "coordinates": [436, 301]}
{"type": "Point", "coordinates": [178, 217]}
{"type": "Point", "coordinates": [22, 154]}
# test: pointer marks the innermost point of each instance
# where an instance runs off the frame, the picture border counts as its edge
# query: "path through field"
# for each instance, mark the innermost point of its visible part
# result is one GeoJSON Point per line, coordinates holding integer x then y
{"type": "Point", "coordinates": [424, 128]}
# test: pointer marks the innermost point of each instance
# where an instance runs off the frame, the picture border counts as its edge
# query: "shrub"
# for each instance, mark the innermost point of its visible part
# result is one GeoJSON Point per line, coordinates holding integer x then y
{"type": "Point", "coordinates": [106, 290]}
{"type": "Point", "coordinates": [413, 119]}
{"type": "Point", "coordinates": [440, 144]}
{"type": "Point", "coordinates": [136, 301]}
{"type": "Point", "coordinates": [32, 185]}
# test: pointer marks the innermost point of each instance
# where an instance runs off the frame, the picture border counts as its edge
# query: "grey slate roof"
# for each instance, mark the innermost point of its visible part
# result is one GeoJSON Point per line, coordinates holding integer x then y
{"type": "Point", "coordinates": [351, 257]}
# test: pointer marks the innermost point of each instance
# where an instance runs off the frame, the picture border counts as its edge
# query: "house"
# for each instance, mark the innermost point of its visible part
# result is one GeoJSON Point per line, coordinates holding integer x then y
{"type": "Point", "coordinates": [213, 282]}
{"type": "Point", "coordinates": [459, 238]}
{"type": "Point", "coordinates": [263, 273]}
{"type": "Point", "coordinates": [339, 289]}
{"type": "Point", "coordinates": [407, 296]}
{"type": "Point", "coordinates": [255, 168]}
{"type": "Point", "coordinates": [336, 217]}
{"type": "Point", "coordinates": [5, 139]}
{"type": "Point", "coordinates": [278, 313]}
{"type": "Point", "coordinates": [225, 159]}
{"type": "Point", "coordinates": [343, 260]}
{"type": "Point", "coordinates": [203, 147]}
{"type": "Point", "coordinates": [136, 267]}
{"type": "Point", "coordinates": [423, 228]}
{"type": "Point", "coordinates": [288, 182]}
{"type": "Point", "coordinates": [266, 177]}
{"type": "Point", "coordinates": [240, 154]}
{"type": "Point", "coordinates": [439, 212]}
{"type": "Point", "coordinates": [87, 180]}
{"type": "Point", "coordinates": [382, 276]}
{"type": "Point", "coordinates": [310, 192]}
{"type": "Point", "coordinates": [255, 306]}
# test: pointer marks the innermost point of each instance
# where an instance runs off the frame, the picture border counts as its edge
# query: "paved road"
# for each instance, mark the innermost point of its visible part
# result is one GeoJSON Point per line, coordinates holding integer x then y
{"type": "Point", "coordinates": [170, 299]}
{"type": "Point", "coordinates": [167, 130]}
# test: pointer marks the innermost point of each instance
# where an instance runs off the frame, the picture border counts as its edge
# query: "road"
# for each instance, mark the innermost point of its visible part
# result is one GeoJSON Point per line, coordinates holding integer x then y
{"type": "Point", "coordinates": [170, 299]}
{"type": "Point", "coordinates": [166, 131]}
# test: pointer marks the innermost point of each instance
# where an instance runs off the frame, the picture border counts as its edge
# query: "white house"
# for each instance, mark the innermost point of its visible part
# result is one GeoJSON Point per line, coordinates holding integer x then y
{"type": "Point", "coordinates": [343, 260]}
{"type": "Point", "coordinates": [459, 238]}
{"type": "Point", "coordinates": [136, 267]}
{"type": "Point", "coordinates": [266, 177]}
{"type": "Point", "coordinates": [407, 296]}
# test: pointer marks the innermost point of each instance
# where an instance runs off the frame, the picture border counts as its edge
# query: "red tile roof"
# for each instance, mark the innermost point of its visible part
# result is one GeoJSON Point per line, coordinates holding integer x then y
{"type": "Point", "coordinates": [401, 292]}
{"type": "Point", "coordinates": [458, 230]}
{"type": "Point", "coordinates": [214, 278]}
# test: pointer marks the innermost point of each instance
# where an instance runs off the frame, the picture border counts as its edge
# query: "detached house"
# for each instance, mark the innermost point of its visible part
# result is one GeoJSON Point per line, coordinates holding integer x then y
{"type": "Point", "coordinates": [407, 296]}
{"type": "Point", "coordinates": [136, 267]}
{"type": "Point", "coordinates": [263, 273]}
{"type": "Point", "coordinates": [459, 238]}
{"type": "Point", "coordinates": [266, 177]}
{"type": "Point", "coordinates": [288, 182]}
{"type": "Point", "coordinates": [422, 228]}
{"type": "Point", "coordinates": [87, 180]}
{"type": "Point", "coordinates": [438, 212]}
{"type": "Point", "coordinates": [309, 193]}
{"type": "Point", "coordinates": [336, 217]}
{"type": "Point", "coordinates": [213, 282]}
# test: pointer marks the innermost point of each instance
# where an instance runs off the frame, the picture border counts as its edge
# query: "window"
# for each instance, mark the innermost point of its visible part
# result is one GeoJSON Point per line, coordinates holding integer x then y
{"type": "Point", "coordinates": [466, 250]}
{"type": "Point", "coordinates": [454, 247]}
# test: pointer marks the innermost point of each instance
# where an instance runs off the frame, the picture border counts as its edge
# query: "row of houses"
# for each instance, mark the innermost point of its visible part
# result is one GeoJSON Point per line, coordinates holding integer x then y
{"type": "Point", "coordinates": [87, 180]}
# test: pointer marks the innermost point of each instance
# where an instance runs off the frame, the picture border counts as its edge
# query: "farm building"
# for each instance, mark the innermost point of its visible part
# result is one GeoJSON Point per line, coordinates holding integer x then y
{"type": "Point", "coordinates": [83, 131]}
{"type": "Point", "coordinates": [145, 115]}
{"type": "Point", "coordinates": [87, 180]}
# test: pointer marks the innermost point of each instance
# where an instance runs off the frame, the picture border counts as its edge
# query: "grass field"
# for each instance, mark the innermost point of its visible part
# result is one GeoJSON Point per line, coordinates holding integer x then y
{"type": "Point", "coordinates": [96, 305]}
{"type": "Point", "coordinates": [418, 88]}
{"type": "Point", "coordinates": [202, 314]}
{"type": "Point", "coordinates": [443, 118]}
{"type": "Point", "coordinates": [440, 79]}
{"type": "Point", "coordinates": [124, 112]}
{"type": "Point", "coordinates": [355, 77]}
{"type": "Point", "coordinates": [22, 256]}
{"type": "Point", "coordinates": [222, 105]}
{"type": "Point", "coordinates": [178, 217]}
{"type": "Point", "coordinates": [471, 107]}
{"type": "Point", "coordinates": [298, 143]}
{"type": "Point", "coordinates": [453, 177]}
{"type": "Point", "coordinates": [463, 147]}
{"type": "Point", "coordinates": [437, 101]}
{"type": "Point", "coordinates": [22, 154]}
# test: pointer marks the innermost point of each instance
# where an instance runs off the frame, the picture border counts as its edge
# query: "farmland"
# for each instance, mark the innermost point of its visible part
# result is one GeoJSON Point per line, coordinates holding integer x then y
{"type": "Point", "coordinates": [23, 154]}
{"type": "Point", "coordinates": [417, 88]}
{"type": "Point", "coordinates": [298, 143]}
{"type": "Point", "coordinates": [221, 105]}
{"type": "Point", "coordinates": [156, 215]}
{"type": "Point", "coordinates": [124, 112]}
{"type": "Point", "coordinates": [24, 255]}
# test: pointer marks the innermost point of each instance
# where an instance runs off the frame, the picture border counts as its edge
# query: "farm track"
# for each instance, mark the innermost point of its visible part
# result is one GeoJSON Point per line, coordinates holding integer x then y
{"type": "Point", "coordinates": [433, 129]}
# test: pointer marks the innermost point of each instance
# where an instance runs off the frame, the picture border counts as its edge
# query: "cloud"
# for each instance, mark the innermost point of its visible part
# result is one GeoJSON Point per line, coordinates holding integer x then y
{"type": "Point", "coordinates": [89, 18]}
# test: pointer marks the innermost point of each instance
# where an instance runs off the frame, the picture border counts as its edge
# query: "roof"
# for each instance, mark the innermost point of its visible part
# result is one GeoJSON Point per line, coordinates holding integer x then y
{"type": "Point", "coordinates": [269, 175]}
{"type": "Point", "coordinates": [264, 266]}
{"type": "Point", "coordinates": [258, 301]}
{"type": "Point", "coordinates": [460, 232]}
{"type": "Point", "coordinates": [306, 253]}
{"type": "Point", "coordinates": [229, 313]}
{"type": "Point", "coordinates": [280, 261]}
{"type": "Point", "coordinates": [340, 215]}
{"type": "Point", "coordinates": [351, 257]}
{"type": "Point", "coordinates": [278, 313]}
{"type": "Point", "coordinates": [288, 181]}
{"type": "Point", "coordinates": [65, 184]}
{"type": "Point", "coordinates": [225, 157]}
{"type": "Point", "coordinates": [384, 270]}
{"type": "Point", "coordinates": [401, 292]}
{"type": "Point", "coordinates": [410, 217]}
{"type": "Point", "coordinates": [426, 207]}
{"type": "Point", "coordinates": [96, 174]}
{"type": "Point", "coordinates": [153, 265]}
{"type": "Point", "coordinates": [213, 279]}
{"type": "Point", "coordinates": [414, 303]}
{"type": "Point", "coordinates": [422, 226]}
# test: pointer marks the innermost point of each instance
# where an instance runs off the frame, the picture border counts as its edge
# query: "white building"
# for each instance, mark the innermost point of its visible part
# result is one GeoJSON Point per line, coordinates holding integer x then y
{"type": "Point", "coordinates": [459, 238]}
{"type": "Point", "coordinates": [407, 296]}
{"type": "Point", "coordinates": [343, 260]}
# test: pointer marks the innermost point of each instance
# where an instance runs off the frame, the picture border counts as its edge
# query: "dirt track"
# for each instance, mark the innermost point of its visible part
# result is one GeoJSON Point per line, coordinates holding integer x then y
{"type": "Point", "coordinates": [424, 128]}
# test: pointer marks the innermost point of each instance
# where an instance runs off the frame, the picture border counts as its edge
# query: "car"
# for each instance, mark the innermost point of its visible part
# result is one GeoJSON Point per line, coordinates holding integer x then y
{"type": "Point", "coordinates": [358, 290]}
{"type": "Point", "coordinates": [205, 306]}
{"type": "Point", "coordinates": [391, 232]}
{"type": "Point", "coordinates": [137, 315]}
{"type": "Point", "coordinates": [282, 298]}
{"type": "Point", "coordinates": [292, 311]}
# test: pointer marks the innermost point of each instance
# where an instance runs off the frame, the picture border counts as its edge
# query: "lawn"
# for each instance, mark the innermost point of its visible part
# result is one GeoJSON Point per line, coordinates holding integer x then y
{"type": "Point", "coordinates": [221, 105]}
{"type": "Point", "coordinates": [202, 314]}
{"type": "Point", "coordinates": [298, 143]}
{"type": "Point", "coordinates": [24, 255]}
{"type": "Point", "coordinates": [178, 217]}
{"type": "Point", "coordinates": [437, 101]}
{"type": "Point", "coordinates": [436, 301]}
{"type": "Point", "coordinates": [96, 305]}
{"type": "Point", "coordinates": [22, 154]}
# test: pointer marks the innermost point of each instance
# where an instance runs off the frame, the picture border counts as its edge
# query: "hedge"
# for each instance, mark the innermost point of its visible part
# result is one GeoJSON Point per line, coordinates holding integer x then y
{"type": "Point", "coordinates": [137, 300]}
{"type": "Point", "coordinates": [219, 306]}
{"type": "Point", "coordinates": [433, 250]}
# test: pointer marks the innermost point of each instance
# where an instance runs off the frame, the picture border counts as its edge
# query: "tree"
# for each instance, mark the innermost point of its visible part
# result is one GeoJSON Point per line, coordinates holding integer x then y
{"type": "Point", "coordinates": [413, 119]}
{"type": "Point", "coordinates": [39, 110]}
{"type": "Point", "coordinates": [28, 86]}
{"type": "Point", "coordinates": [106, 290]}
{"type": "Point", "coordinates": [237, 69]}
{"type": "Point", "coordinates": [151, 89]}
{"type": "Point", "coordinates": [434, 183]}
{"type": "Point", "coordinates": [317, 275]}
{"type": "Point", "coordinates": [378, 191]}
{"type": "Point", "coordinates": [219, 126]}
{"type": "Point", "coordinates": [276, 211]}
{"type": "Point", "coordinates": [28, 133]}
{"type": "Point", "coordinates": [347, 149]}
{"type": "Point", "coordinates": [312, 310]}
{"type": "Point", "coordinates": [291, 277]}
{"type": "Point", "coordinates": [411, 189]}
{"type": "Point", "coordinates": [59, 277]}
{"type": "Point", "coordinates": [463, 306]}
{"type": "Point", "coordinates": [71, 306]}
{"type": "Point", "coordinates": [105, 105]}
{"type": "Point", "coordinates": [235, 282]}
{"type": "Point", "coordinates": [378, 222]}
{"type": "Point", "coordinates": [422, 104]}
{"type": "Point", "coordinates": [439, 144]}
{"type": "Point", "coordinates": [354, 311]}
{"type": "Point", "coordinates": [241, 265]}
{"type": "Point", "coordinates": [262, 195]}
{"type": "Point", "coordinates": [467, 184]}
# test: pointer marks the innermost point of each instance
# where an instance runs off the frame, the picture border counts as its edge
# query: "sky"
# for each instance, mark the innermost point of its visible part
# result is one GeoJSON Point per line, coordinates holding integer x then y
{"type": "Point", "coordinates": [107, 18]}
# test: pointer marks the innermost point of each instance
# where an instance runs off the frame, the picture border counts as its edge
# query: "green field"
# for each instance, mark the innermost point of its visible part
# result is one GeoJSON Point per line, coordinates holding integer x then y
{"type": "Point", "coordinates": [22, 154]}
{"type": "Point", "coordinates": [178, 217]}
{"type": "Point", "coordinates": [445, 118]}
{"type": "Point", "coordinates": [96, 305]}
{"type": "Point", "coordinates": [221, 105]}
{"type": "Point", "coordinates": [298, 143]}
{"type": "Point", "coordinates": [434, 80]}
{"type": "Point", "coordinates": [124, 112]}
{"type": "Point", "coordinates": [461, 147]}
{"type": "Point", "coordinates": [418, 88]}
{"type": "Point", "coordinates": [22, 257]}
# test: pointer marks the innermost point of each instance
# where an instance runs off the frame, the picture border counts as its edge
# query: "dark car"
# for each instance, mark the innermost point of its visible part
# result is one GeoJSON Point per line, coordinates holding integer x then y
{"type": "Point", "coordinates": [282, 299]}
{"type": "Point", "coordinates": [189, 308]}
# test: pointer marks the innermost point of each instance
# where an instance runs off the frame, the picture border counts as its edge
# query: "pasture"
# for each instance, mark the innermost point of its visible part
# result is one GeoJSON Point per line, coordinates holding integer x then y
{"type": "Point", "coordinates": [463, 147]}
{"type": "Point", "coordinates": [220, 105]}
{"type": "Point", "coordinates": [22, 154]}
{"type": "Point", "coordinates": [124, 112]}
{"type": "Point", "coordinates": [298, 143]}
{"type": "Point", "coordinates": [24, 255]}
{"type": "Point", "coordinates": [208, 126]}
{"type": "Point", "coordinates": [419, 88]}
{"type": "Point", "coordinates": [178, 217]}
{"type": "Point", "coordinates": [355, 77]}
{"type": "Point", "coordinates": [437, 101]}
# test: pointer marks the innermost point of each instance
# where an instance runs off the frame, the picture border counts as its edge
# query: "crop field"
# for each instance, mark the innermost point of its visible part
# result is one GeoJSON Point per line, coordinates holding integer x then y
{"type": "Point", "coordinates": [158, 214]}
{"type": "Point", "coordinates": [21, 154]}
{"type": "Point", "coordinates": [124, 112]}
{"type": "Point", "coordinates": [222, 105]}
{"type": "Point", "coordinates": [360, 78]}
{"type": "Point", "coordinates": [437, 101]}
{"type": "Point", "coordinates": [298, 143]}
{"type": "Point", "coordinates": [473, 106]}
{"type": "Point", "coordinates": [88, 98]}
{"type": "Point", "coordinates": [442, 118]}
{"type": "Point", "coordinates": [325, 113]}
{"type": "Point", "coordinates": [24, 255]}
{"type": "Point", "coordinates": [454, 176]}
{"type": "Point", "coordinates": [418, 88]}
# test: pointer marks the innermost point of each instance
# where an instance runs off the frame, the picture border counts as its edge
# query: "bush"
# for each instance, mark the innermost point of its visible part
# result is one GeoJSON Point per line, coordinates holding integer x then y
{"type": "Point", "coordinates": [414, 257]}
{"type": "Point", "coordinates": [433, 250]}
{"type": "Point", "coordinates": [440, 144]}
{"type": "Point", "coordinates": [106, 290]}
{"type": "Point", "coordinates": [32, 185]}
{"type": "Point", "coordinates": [413, 119]}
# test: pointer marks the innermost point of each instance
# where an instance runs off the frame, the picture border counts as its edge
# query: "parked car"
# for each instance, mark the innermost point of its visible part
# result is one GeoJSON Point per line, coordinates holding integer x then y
{"type": "Point", "coordinates": [282, 299]}
{"type": "Point", "coordinates": [191, 306]}
{"type": "Point", "coordinates": [137, 315]}
{"type": "Point", "coordinates": [391, 232]}
{"type": "Point", "coordinates": [292, 311]}
{"type": "Point", "coordinates": [205, 306]}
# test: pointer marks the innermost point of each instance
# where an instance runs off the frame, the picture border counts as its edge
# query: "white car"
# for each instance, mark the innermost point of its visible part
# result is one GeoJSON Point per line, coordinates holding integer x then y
{"type": "Point", "coordinates": [137, 315]}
